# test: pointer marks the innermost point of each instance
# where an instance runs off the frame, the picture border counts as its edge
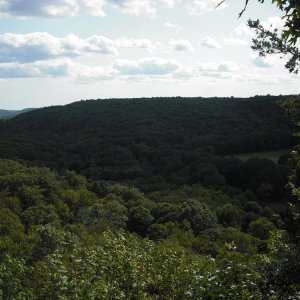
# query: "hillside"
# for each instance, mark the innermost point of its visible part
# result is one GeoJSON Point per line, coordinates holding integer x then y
{"type": "Point", "coordinates": [6, 114]}
{"type": "Point", "coordinates": [151, 143]}
{"type": "Point", "coordinates": [228, 125]}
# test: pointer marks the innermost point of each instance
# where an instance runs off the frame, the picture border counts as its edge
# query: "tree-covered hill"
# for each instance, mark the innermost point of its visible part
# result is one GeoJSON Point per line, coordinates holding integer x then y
{"type": "Point", "coordinates": [229, 125]}
{"type": "Point", "coordinates": [152, 143]}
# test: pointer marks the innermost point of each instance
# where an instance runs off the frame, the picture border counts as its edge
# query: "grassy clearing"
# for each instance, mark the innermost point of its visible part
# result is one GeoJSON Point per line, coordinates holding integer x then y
{"type": "Point", "coordinates": [273, 155]}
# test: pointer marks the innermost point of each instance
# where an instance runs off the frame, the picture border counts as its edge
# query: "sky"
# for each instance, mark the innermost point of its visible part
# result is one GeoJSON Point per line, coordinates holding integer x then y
{"type": "Point", "coordinates": [53, 52]}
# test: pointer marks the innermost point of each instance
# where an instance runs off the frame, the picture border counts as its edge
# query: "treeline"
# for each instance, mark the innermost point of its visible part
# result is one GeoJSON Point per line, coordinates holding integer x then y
{"type": "Point", "coordinates": [158, 143]}
{"type": "Point", "coordinates": [62, 237]}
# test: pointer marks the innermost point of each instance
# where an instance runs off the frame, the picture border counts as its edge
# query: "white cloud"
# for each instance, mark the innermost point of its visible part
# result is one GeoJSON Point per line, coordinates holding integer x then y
{"type": "Point", "coordinates": [72, 8]}
{"type": "Point", "coordinates": [57, 68]}
{"type": "Point", "coordinates": [29, 47]}
{"type": "Point", "coordinates": [147, 66]}
{"type": "Point", "coordinates": [168, 3]}
{"type": "Point", "coordinates": [126, 42]}
{"type": "Point", "coordinates": [269, 61]}
{"type": "Point", "coordinates": [52, 8]}
{"type": "Point", "coordinates": [135, 7]}
{"type": "Point", "coordinates": [100, 44]}
{"type": "Point", "coordinates": [243, 30]}
{"type": "Point", "coordinates": [273, 23]}
{"type": "Point", "coordinates": [227, 66]}
{"type": "Point", "coordinates": [210, 43]}
{"type": "Point", "coordinates": [172, 26]}
{"type": "Point", "coordinates": [235, 42]}
{"type": "Point", "coordinates": [143, 69]}
{"type": "Point", "coordinates": [201, 7]}
{"type": "Point", "coordinates": [85, 74]}
{"type": "Point", "coordinates": [186, 72]}
{"type": "Point", "coordinates": [54, 68]}
{"type": "Point", "coordinates": [181, 45]}
{"type": "Point", "coordinates": [262, 62]}
{"type": "Point", "coordinates": [43, 46]}
{"type": "Point", "coordinates": [267, 79]}
{"type": "Point", "coordinates": [223, 66]}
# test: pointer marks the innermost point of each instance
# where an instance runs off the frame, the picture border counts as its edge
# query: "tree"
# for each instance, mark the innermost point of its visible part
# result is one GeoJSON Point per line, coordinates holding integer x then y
{"type": "Point", "coordinates": [199, 215]}
{"type": "Point", "coordinates": [12, 278]}
{"type": "Point", "coordinates": [261, 227]}
{"type": "Point", "coordinates": [229, 215]}
{"type": "Point", "coordinates": [139, 220]}
{"type": "Point", "coordinates": [273, 40]}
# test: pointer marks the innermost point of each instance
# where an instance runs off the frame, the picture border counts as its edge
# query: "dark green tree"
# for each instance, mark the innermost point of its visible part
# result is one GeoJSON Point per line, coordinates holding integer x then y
{"type": "Point", "coordinates": [139, 219]}
{"type": "Point", "coordinates": [198, 214]}
{"type": "Point", "coordinates": [261, 228]}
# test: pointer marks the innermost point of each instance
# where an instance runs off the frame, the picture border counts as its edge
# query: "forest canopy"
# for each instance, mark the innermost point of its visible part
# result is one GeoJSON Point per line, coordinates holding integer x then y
{"type": "Point", "coordinates": [151, 143]}
{"type": "Point", "coordinates": [147, 199]}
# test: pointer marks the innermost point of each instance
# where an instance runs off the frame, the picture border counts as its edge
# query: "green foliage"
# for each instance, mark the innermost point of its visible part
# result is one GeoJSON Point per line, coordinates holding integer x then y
{"type": "Point", "coordinates": [140, 219]}
{"type": "Point", "coordinates": [271, 42]}
{"type": "Point", "coordinates": [198, 214]}
{"type": "Point", "coordinates": [158, 232]}
{"type": "Point", "coordinates": [52, 244]}
{"type": "Point", "coordinates": [252, 206]}
{"type": "Point", "coordinates": [10, 224]}
{"type": "Point", "coordinates": [127, 267]}
{"type": "Point", "coordinates": [217, 237]}
{"type": "Point", "coordinates": [283, 266]}
{"type": "Point", "coordinates": [11, 233]}
{"type": "Point", "coordinates": [40, 215]}
{"type": "Point", "coordinates": [230, 216]}
{"type": "Point", "coordinates": [13, 279]}
{"type": "Point", "coordinates": [235, 279]}
{"type": "Point", "coordinates": [261, 228]}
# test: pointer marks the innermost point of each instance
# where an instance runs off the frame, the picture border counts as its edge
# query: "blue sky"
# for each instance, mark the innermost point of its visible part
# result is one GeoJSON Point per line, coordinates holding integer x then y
{"type": "Point", "coordinates": [59, 51]}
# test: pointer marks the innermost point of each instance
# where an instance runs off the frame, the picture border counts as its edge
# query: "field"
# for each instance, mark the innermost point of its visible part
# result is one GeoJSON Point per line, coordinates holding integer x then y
{"type": "Point", "coordinates": [273, 155]}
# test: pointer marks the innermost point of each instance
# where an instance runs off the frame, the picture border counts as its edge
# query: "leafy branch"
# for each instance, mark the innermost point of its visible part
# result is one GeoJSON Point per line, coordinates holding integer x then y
{"type": "Point", "coordinates": [272, 41]}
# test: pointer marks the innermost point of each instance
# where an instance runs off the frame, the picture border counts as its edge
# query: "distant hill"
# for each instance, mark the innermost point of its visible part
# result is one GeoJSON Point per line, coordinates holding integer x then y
{"type": "Point", "coordinates": [6, 114]}
{"type": "Point", "coordinates": [151, 141]}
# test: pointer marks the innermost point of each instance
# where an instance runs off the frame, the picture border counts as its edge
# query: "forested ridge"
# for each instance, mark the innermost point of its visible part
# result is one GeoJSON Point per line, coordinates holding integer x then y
{"type": "Point", "coordinates": [229, 125]}
{"type": "Point", "coordinates": [144, 199]}
{"type": "Point", "coordinates": [147, 142]}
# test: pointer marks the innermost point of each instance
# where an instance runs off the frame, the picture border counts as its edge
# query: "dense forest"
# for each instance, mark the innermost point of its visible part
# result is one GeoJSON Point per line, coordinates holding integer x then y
{"type": "Point", "coordinates": [146, 199]}
{"type": "Point", "coordinates": [151, 143]}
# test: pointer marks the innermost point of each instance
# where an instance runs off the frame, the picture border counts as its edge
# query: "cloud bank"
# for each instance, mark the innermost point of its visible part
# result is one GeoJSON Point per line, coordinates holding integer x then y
{"type": "Point", "coordinates": [51, 8]}
{"type": "Point", "coordinates": [210, 43]}
{"type": "Point", "coordinates": [43, 46]}
{"type": "Point", "coordinates": [147, 66]}
{"type": "Point", "coordinates": [201, 7]}
{"type": "Point", "coordinates": [181, 45]}
{"type": "Point", "coordinates": [72, 8]}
